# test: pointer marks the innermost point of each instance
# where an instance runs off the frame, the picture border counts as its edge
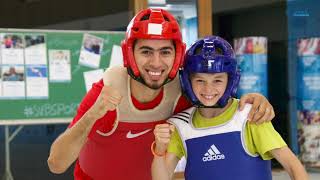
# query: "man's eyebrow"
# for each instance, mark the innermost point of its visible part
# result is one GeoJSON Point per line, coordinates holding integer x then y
{"type": "Point", "coordinates": [146, 47]}
{"type": "Point", "coordinates": [162, 48]}
{"type": "Point", "coordinates": [166, 48]}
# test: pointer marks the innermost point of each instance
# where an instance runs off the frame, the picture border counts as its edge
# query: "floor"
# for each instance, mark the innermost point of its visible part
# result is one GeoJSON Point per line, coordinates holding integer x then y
{"type": "Point", "coordinates": [282, 175]}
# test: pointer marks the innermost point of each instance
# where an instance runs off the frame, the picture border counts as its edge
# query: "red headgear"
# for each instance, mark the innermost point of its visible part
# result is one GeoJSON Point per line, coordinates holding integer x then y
{"type": "Point", "coordinates": [152, 24]}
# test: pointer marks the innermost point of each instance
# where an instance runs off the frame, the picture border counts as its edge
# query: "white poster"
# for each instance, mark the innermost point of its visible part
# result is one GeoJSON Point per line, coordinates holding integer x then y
{"type": "Point", "coordinates": [1, 37]}
{"type": "Point", "coordinates": [116, 56]}
{"type": "Point", "coordinates": [0, 70]}
{"type": "Point", "coordinates": [0, 81]}
{"type": "Point", "coordinates": [13, 84]}
{"type": "Point", "coordinates": [59, 66]}
{"type": "Point", "coordinates": [91, 49]}
{"type": "Point", "coordinates": [12, 49]}
{"type": "Point", "coordinates": [91, 77]}
{"type": "Point", "coordinates": [35, 49]}
{"type": "Point", "coordinates": [37, 82]}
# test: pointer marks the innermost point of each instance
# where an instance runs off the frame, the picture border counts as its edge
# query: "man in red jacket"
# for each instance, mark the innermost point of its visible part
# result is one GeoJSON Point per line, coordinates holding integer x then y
{"type": "Point", "coordinates": [111, 134]}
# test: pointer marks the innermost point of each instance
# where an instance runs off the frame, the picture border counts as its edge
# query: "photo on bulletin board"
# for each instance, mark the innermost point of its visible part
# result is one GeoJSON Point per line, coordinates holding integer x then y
{"type": "Point", "coordinates": [13, 82]}
{"type": "Point", "coordinates": [59, 66]}
{"type": "Point", "coordinates": [13, 73]}
{"type": "Point", "coordinates": [34, 40]}
{"type": "Point", "coordinates": [0, 82]}
{"type": "Point", "coordinates": [91, 51]}
{"type": "Point", "coordinates": [37, 82]}
{"type": "Point", "coordinates": [12, 41]}
{"type": "Point", "coordinates": [40, 71]}
{"type": "Point", "coordinates": [12, 49]}
{"type": "Point", "coordinates": [36, 49]}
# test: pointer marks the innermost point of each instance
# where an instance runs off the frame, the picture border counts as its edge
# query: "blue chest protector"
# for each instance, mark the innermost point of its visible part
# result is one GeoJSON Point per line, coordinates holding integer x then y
{"type": "Point", "coordinates": [219, 153]}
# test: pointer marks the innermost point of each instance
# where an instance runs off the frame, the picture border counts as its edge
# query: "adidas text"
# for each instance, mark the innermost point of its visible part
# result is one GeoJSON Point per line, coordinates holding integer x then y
{"type": "Point", "coordinates": [213, 157]}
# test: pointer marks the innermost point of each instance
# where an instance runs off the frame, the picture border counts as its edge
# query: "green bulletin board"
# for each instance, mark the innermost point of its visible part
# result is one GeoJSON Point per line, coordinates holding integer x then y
{"type": "Point", "coordinates": [63, 98]}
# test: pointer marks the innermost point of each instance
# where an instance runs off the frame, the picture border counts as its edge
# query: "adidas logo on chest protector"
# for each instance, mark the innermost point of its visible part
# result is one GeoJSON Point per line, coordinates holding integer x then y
{"type": "Point", "coordinates": [212, 154]}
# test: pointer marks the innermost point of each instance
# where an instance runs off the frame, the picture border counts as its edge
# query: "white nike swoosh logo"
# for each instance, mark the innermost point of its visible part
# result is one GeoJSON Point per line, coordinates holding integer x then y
{"type": "Point", "coordinates": [130, 135]}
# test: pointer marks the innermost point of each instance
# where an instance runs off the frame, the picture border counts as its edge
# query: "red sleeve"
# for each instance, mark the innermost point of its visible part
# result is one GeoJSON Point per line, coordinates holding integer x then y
{"type": "Point", "coordinates": [182, 104]}
{"type": "Point", "coordinates": [87, 101]}
{"type": "Point", "coordinates": [106, 122]}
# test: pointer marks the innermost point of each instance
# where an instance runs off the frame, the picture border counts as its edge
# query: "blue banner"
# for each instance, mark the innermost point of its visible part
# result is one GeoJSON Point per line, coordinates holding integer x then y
{"type": "Point", "coordinates": [253, 74]}
{"type": "Point", "coordinates": [308, 100]}
{"type": "Point", "coordinates": [251, 54]}
{"type": "Point", "coordinates": [308, 90]}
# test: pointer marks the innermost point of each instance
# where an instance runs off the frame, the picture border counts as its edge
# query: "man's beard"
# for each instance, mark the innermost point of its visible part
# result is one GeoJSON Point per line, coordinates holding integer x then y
{"type": "Point", "coordinates": [154, 86]}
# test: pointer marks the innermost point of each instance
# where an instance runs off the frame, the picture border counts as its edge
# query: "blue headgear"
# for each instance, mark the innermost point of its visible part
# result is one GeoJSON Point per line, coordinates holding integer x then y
{"type": "Point", "coordinates": [215, 56]}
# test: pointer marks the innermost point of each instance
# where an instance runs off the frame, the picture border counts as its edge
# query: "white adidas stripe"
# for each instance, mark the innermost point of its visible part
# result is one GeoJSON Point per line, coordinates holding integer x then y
{"type": "Point", "coordinates": [212, 151]}
{"type": "Point", "coordinates": [215, 149]}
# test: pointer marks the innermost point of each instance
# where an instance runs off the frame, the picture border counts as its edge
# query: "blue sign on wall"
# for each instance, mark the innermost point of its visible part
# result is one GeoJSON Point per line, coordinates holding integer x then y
{"type": "Point", "coordinates": [251, 53]}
